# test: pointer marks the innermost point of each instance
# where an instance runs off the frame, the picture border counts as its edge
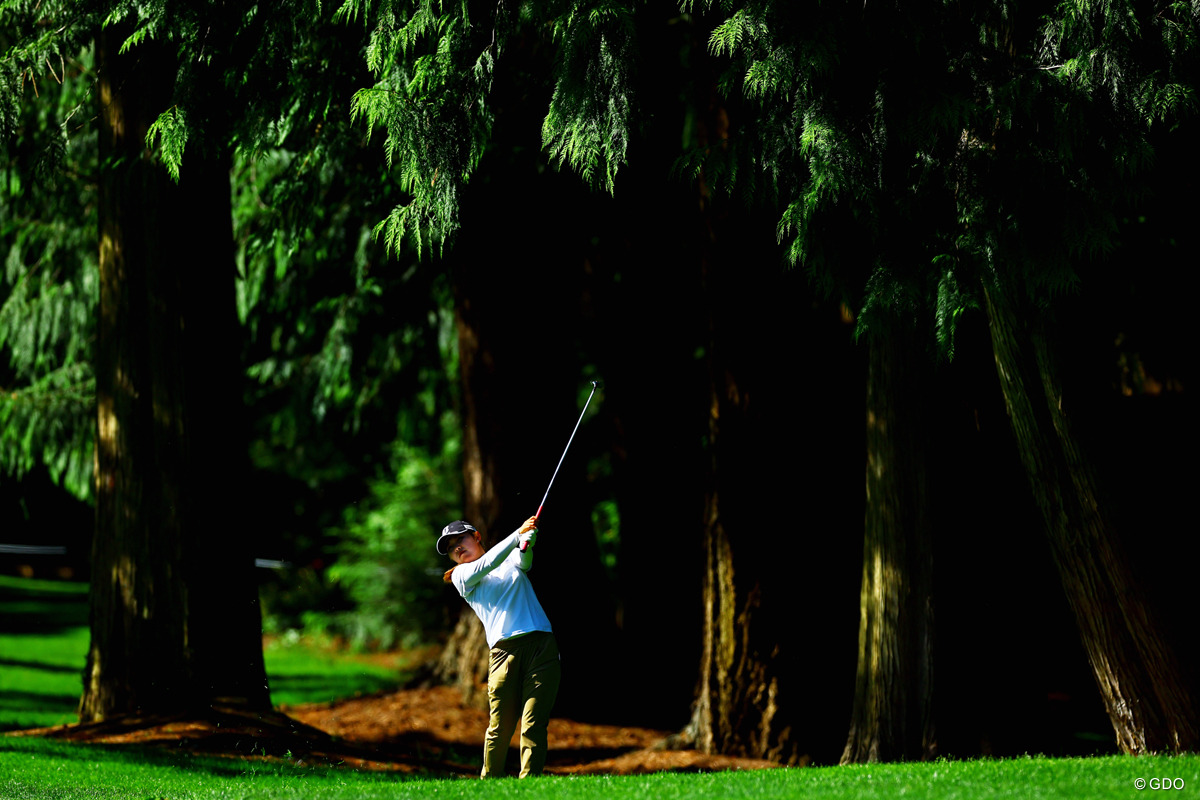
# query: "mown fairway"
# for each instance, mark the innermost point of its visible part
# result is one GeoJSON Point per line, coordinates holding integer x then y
{"type": "Point", "coordinates": [33, 770]}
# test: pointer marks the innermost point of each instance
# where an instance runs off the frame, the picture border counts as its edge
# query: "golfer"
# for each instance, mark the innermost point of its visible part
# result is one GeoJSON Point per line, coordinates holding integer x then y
{"type": "Point", "coordinates": [524, 674]}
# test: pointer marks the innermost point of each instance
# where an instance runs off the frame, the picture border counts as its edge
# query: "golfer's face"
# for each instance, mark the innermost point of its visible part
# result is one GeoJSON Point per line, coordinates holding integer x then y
{"type": "Point", "coordinates": [465, 549]}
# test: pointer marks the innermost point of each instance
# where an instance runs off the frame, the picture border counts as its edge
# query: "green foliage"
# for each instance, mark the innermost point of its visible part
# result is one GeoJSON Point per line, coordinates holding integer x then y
{"type": "Point", "coordinates": [245, 80]}
{"type": "Point", "coordinates": [347, 353]}
{"type": "Point", "coordinates": [49, 422]}
{"type": "Point", "coordinates": [38, 40]}
{"type": "Point", "coordinates": [921, 155]}
{"type": "Point", "coordinates": [345, 350]}
{"type": "Point", "coordinates": [951, 303]}
{"type": "Point", "coordinates": [1139, 58]}
{"type": "Point", "coordinates": [170, 130]}
{"type": "Point", "coordinates": [433, 69]}
{"type": "Point", "coordinates": [246, 77]}
{"type": "Point", "coordinates": [435, 65]}
{"type": "Point", "coordinates": [276, 79]}
{"type": "Point", "coordinates": [386, 561]}
{"type": "Point", "coordinates": [590, 116]}
{"type": "Point", "coordinates": [48, 284]}
{"type": "Point", "coordinates": [606, 523]}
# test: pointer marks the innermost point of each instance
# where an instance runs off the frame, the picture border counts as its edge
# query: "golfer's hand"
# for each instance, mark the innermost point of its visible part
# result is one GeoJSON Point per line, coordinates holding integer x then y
{"type": "Point", "coordinates": [527, 534]}
{"type": "Point", "coordinates": [527, 540]}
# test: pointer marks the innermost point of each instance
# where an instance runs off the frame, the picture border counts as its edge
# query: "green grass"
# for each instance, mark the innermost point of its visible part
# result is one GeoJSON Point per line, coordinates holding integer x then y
{"type": "Point", "coordinates": [43, 646]}
{"type": "Point", "coordinates": [303, 671]}
{"type": "Point", "coordinates": [43, 640]}
{"type": "Point", "coordinates": [44, 770]}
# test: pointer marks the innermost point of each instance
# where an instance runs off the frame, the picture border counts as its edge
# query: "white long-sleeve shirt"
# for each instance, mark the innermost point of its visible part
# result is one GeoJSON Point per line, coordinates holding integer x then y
{"type": "Point", "coordinates": [497, 589]}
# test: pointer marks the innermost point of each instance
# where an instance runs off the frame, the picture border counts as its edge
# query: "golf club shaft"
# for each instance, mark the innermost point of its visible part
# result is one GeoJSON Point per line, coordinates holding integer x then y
{"type": "Point", "coordinates": [595, 385]}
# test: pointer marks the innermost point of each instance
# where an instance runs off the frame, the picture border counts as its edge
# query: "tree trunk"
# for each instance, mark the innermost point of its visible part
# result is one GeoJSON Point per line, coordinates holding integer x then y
{"type": "Point", "coordinates": [893, 694]}
{"type": "Point", "coordinates": [464, 659]}
{"type": "Point", "coordinates": [1146, 696]}
{"type": "Point", "coordinates": [175, 621]}
{"type": "Point", "coordinates": [737, 709]}
{"type": "Point", "coordinates": [781, 378]}
{"type": "Point", "coordinates": [761, 544]}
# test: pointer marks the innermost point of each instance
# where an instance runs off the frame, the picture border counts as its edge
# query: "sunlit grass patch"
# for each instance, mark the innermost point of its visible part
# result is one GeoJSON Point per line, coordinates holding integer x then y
{"type": "Point", "coordinates": [39, 770]}
{"type": "Point", "coordinates": [43, 649]}
{"type": "Point", "coordinates": [43, 646]}
{"type": "Point", "coordinates": [305, 670]}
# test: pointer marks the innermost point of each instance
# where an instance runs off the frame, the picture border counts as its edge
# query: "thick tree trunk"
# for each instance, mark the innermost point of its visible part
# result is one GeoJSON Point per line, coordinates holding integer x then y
{"type": "Point", "coordinates": [762, 537]}
{"type": "Point", "coordinates": [737, 709]}
{"type": "Point", "coordinates": [174, 608]}
{"type": "Point", "coordinates": [1146, 696]}
{"type": "Point", "coordinates": [775, 514]}
{"type": "Point", "coordinates": [893, 695]}
{"type": "Point", "coordinates": [464, 659]}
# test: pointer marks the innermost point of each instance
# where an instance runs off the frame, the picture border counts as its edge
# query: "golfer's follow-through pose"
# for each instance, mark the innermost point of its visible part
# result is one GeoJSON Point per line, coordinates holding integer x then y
{"type": "Point", "coordinates": [524, 673]}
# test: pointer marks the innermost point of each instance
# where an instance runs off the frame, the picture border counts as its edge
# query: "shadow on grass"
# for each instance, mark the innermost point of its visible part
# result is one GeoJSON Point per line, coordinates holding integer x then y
{"type": "Point", "coordinates": [41, 666]}
{"type": "Point", "coordinates": [316, 688]}
{"type": "Point", "coordinates": [233, 741]}
{"type": "Point", "coordinates": [150, 756]}
{"type": "Point", "coordinates": [17, 700]}
{"type": "Point", "coordinates": [38, 607]}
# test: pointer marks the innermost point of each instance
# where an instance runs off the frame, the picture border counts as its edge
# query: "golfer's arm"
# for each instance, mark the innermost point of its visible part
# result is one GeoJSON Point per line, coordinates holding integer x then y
{"type": "Point", "coordinates": [475, 571]}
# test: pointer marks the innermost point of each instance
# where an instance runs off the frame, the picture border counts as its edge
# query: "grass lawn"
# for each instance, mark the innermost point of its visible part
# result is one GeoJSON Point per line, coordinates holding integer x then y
{"type": "Point", "coordinates": [43, 647]}
{"type": "Point", "coordinates": [37, 770]}
{"type": "Point", "coordinates": [43, 640]}
{"type": "Point", "coordinates": [302, 671]}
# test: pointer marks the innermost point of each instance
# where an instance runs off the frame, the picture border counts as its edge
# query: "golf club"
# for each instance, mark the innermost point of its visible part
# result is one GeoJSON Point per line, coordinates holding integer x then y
{"type": "Point", "coordinates": [595, 385]}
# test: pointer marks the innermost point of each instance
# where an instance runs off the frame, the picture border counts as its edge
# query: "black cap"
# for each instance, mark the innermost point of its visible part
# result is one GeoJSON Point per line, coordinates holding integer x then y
{"type": "Point", "coordinates": [456, 528]}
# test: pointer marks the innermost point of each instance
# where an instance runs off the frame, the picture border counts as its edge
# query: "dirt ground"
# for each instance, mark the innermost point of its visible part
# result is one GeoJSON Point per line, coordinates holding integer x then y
{"type": "Point", "coordinates": [413, 730]}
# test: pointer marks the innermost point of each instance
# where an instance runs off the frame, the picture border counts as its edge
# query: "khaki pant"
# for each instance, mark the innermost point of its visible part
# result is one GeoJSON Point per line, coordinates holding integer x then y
{"type": "Point", "coordinates": [522, 683]}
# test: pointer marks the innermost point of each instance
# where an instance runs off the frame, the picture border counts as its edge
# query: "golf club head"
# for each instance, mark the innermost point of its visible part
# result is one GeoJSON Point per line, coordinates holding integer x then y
{"type": "Point", "coordinates": [597, 384]}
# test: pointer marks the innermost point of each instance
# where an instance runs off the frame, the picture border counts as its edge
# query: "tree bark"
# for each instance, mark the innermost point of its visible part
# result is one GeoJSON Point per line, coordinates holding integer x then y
{"type": "Point", "coordinates": [760, 542]}
{"type": "Point", "coordinates": [463, 661]}
{"type": "Point", "coordinates": [175, 623]}
{"type": "Point", "coordinates": [737, 709]}
{"type": "Point", "coordinates": [892, 718]}
{"type": "Point", "coordinates": [1140, 680]}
